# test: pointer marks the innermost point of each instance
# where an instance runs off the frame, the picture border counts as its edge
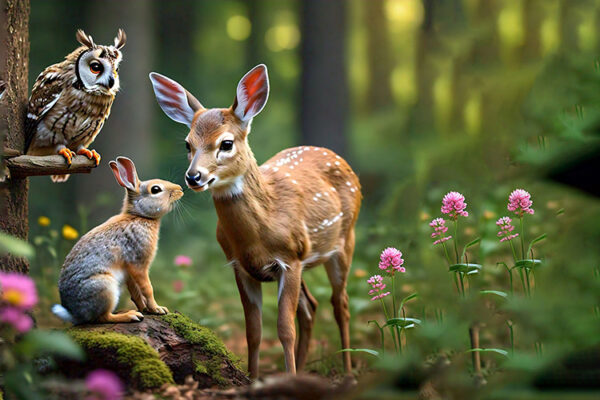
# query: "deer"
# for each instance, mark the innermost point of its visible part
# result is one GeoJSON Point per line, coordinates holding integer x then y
{"type": "Point", "coordinates": [294, 212]}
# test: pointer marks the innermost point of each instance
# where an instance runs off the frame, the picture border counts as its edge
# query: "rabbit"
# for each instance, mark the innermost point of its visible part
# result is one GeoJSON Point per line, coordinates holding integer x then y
{"type": "Point", "coordinates": [121, 249]}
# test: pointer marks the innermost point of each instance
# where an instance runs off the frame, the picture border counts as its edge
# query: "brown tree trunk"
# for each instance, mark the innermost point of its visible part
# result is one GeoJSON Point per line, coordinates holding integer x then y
{"type": "Point", "coordinates": [14, 66]}
{"type": "Point", "coordinates": [128, 129]}
{"type": "Point", "coordinates": [379, 94]}
{"type": "Point", "coordinates": [324, 99]}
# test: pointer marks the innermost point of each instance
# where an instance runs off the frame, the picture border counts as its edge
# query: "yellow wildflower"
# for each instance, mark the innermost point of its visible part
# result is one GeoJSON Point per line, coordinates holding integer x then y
{"type": "Point", "coordinates": [69, 232]}
{"type": "Point", "coordinates": [360, 273]}
{"type": "Point", "coordinates": [43, 221]}
{"type": "Point", "coordinates": [487, 214]}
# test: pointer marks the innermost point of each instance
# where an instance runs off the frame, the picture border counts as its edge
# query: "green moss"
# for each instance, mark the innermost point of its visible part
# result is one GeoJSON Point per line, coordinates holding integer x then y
{"type": "Point", "coordinates": [200, 368]}
{"type": "Point", "coordinates": [131, 351]}
{"type": "Point", "coordinates": [198, 334]}
{"type": "Point", "coordinates": [212, 347]}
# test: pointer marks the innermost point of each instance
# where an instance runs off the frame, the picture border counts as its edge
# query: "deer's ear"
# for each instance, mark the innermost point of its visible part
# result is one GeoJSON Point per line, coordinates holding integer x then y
{"type": "Point", "coordinates": [252, 93]}
{"type": "Point", "coordinates": [125, 173]}
{"type": "Point", "coordinates": [179, 104]}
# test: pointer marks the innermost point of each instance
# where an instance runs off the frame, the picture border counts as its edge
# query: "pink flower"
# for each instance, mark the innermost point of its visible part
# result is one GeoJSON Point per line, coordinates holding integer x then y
{"type": "Point", "coordinates": [183, 261]}
{"type": "Point", "coordinates": [439, 230]}
{"type": "Point", "coordinates": [104, 385]}
{"type": "Point", "coordinates": [178, 286]}
{"type": "Point", "coordinates": [376, 282]}
{"type": "Point", "coordinates": [391, 260]}
{"type": "Point", "coordinates": [17, 290]}
{"type": "Point", "coordinates": [520, 202]}
{"type": "Point", "coordinates": [454, 205]}
{"type": "Point", "coordinates": [17, 318]}
{"type": "Point", "coordinates": [506, 227]}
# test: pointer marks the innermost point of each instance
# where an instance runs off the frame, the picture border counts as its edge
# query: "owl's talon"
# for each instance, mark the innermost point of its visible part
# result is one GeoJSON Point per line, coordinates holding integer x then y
{"type": "Point", "coordinates": [67, 154]}
{"type": "Point", "coordinates": [91, 154]}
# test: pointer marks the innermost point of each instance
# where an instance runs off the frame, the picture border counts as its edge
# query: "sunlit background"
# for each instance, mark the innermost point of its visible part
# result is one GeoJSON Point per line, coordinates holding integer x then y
{"type": "Point", "coordinates": [420, 96]}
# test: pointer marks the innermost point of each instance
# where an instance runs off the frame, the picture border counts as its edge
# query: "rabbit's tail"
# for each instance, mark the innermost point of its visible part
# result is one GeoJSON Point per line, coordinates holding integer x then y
{"type": "Point", "coordinates": [62, 313]}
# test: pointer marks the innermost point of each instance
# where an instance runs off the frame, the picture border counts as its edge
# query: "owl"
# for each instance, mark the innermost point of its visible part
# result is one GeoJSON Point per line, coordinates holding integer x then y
{"type": "Point", "coordinates": [71, 100]}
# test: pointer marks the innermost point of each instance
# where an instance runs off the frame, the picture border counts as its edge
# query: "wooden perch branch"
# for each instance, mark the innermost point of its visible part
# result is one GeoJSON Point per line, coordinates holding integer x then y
{"type": "Point", "coordinates": [22, 166]}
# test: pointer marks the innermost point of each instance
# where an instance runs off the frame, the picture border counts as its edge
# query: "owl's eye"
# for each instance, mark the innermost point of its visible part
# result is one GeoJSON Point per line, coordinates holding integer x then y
{"type": "Point", "coordinates": [155, 189]}
{"type": "Point", "coordinates": [226, 145]}
{"type": "Point", "coordinates": [96, 67]}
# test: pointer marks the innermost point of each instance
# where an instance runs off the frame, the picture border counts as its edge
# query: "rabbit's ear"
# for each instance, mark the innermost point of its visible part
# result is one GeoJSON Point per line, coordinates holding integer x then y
{"type": "Point", "coordinates": [125, 173]}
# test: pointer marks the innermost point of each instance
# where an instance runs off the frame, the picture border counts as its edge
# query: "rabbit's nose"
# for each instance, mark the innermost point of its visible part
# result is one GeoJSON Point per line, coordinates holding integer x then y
{"type": "Point", "coordinates": [193, 180]}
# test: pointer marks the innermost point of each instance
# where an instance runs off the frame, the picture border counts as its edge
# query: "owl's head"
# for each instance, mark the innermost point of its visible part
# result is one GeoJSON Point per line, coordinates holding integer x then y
{"type": "Point", "coordinates": [97, 66]}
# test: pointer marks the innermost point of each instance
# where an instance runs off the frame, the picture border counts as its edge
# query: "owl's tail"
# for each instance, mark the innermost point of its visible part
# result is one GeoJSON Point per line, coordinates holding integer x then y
{"type": "Point", "coordinates": [59, 178]}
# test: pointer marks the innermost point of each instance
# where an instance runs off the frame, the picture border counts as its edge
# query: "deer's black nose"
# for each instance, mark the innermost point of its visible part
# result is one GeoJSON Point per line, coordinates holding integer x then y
{"type": "Point", "coordinates": [192, 180]}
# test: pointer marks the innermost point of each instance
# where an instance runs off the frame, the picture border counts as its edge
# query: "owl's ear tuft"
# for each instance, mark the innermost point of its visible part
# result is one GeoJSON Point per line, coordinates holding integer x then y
{"type": "Point", "coordinates": [85, 39]}
{"type": "Point", "coordinates": [120, 39]}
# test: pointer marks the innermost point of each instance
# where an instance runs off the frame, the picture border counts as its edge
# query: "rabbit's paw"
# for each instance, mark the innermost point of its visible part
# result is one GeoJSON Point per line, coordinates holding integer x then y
{"type": "Point", "coordinates": [160, 310]}
{"type": "Point", "coordinates": [134, 316]}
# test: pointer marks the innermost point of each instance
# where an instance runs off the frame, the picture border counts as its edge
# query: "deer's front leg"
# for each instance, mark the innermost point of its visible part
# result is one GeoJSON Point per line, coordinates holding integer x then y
{"type": "Point", "coordinates": [289, 291]}
{"type": "Point", "coordinates": [251, 296]}
{"type": "Point", "coordinates": [139, 274]}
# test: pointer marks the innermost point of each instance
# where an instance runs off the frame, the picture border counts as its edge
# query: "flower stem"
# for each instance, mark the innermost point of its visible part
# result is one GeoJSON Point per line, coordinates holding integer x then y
{"type": "Point", "coordinates": [387, 317]}
{"type": "Point", "coordinates": [462, 284]}
{"type": "Point", "coordinates": [395, 311]}
{"type": "Point", "coordinates": [447, 255]}
{"type": "Point", "coordinates": [455, 239]}
{"type": "Point", "coordinates": [522, 238]}
{"type": "Point", "coordinates": [512, 246]}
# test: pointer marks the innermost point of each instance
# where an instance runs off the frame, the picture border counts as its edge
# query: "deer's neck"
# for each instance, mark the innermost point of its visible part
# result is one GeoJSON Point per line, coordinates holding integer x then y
{"type": "Point", "coordinates": [249, 210]}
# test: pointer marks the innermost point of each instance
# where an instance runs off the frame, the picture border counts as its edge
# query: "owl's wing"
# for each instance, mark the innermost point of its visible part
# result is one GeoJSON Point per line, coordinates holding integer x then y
{"type": "Point", "coordinates": [45, 93]}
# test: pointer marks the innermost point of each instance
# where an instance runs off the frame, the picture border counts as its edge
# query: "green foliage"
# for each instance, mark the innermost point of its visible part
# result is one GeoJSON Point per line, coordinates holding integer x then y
{"type": "Point", "coordinates": [132, 353]}
{"type": "Point", "coordinates": [14, 246]}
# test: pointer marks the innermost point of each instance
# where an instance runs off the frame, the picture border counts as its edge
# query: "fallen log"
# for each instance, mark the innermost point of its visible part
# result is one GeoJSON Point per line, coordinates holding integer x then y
{"type": "Point", "coordinates": [158, 350]}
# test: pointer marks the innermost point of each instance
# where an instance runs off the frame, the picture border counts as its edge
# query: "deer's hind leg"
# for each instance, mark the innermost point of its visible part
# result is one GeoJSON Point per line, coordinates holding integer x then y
{"type": "Point", "coordinates": [338, 267]}
{"type": "Point", "coordinates": [307, 307]}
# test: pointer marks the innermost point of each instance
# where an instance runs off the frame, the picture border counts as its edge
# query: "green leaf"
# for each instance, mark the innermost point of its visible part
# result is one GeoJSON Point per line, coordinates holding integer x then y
{"type": "Point", "coordinates": [404, 323]}
{"type": "Point", "coordinates": [497, 351]}
{"type": "Point", "coordinates": [15, 246]}
{"type": "Point", "coordinates": [465, 268]}
{"type": "Point", "coordinates": [375, 322]}
{"type": "Point", "coordinates": [407, 299]}
{"type": "Point", "coordinates": [496, 292]}
{"type": "Point", "coordinates": [471, 243]}
{"type": "Point", "coordinates": [37, 342]}
{"type": "Point", "coordinates": [534, 241]}
{"type": "Point", "coordinates": [368, 351]}
{"type": "Point", "coordinates": [529, 263]}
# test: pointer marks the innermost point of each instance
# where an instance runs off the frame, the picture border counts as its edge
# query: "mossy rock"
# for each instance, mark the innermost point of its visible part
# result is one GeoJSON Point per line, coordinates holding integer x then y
{"type": "Point", "coordinates": [158, 350]}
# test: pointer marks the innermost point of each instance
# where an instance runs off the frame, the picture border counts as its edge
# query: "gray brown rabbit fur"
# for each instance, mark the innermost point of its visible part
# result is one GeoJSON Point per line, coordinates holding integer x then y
{"type": "Point", "coordinates": [120, 250]}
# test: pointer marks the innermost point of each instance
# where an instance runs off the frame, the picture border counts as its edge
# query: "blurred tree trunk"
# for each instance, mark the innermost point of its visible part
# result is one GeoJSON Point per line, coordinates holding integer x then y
{"type": "Point", "coordinates": [14, 67]}
{"type": "Point", "coordinates": [254, 49]}
{"type": "Point", "coordinates": [127, 131]}
{"type": "Point", "coordinates": [379, 58]}
{"type": "Point", "coordinates": [324, 99]}
{"type": "Point", "coordinates": [178, 37]}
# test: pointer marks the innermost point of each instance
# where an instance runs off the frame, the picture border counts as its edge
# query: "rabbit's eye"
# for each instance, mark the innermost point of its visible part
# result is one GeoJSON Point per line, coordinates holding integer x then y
{"type": "Point", "coordinates": [155, 189]}
{"type": "Point", "coordinates": [226, 145]}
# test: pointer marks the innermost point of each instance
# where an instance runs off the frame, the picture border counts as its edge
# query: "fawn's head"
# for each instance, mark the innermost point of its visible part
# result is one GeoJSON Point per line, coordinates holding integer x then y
{"type": "Point", "coordinates": [217, 145]}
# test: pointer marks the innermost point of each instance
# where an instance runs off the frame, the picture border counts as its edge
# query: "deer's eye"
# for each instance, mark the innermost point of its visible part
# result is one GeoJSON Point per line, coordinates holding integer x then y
{"type": "Point", "coordinates": [155, 189]}
{"type": "Point", "coordinates": [226, 145]}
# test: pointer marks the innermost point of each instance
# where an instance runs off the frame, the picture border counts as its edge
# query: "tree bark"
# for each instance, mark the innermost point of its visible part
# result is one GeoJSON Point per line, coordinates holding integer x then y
{"type": "Point", "coordinates": [128, 130]}
{"type": "Point", "coordinates": [324, 99]}
{"type": "Point", "coordinates": [379, 58]}
{"type": "Point", "coordinates": [14, 67]}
